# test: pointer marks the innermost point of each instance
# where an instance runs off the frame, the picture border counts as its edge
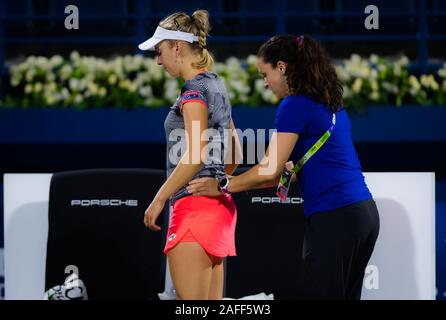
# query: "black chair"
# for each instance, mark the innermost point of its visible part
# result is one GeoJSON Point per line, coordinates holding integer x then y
{"type": "Point", "coordinates": [96, 226]}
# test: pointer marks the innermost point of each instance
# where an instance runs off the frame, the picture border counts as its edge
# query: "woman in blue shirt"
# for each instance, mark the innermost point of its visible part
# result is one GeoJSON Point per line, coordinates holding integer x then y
{"type": "Point", "coordinates": [342, 221]}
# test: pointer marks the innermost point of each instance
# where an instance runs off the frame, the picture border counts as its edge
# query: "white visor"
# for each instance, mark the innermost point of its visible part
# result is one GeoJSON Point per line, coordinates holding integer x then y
{"type": "Point", "coordinates": [164, 34]}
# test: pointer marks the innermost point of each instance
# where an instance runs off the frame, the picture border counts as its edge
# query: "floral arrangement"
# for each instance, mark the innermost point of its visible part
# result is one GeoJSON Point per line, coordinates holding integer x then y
{"type": "Point", "coordinates": [380, 81]}
{"type": "Point", "coordinates": [132, 81]}
{"type": "Point", "coordinates": [127, 82]}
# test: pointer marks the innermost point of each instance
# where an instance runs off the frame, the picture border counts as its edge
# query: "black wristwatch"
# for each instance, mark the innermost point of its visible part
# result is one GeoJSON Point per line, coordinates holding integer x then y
{"type": "Point", "coordinates": [223, 184]}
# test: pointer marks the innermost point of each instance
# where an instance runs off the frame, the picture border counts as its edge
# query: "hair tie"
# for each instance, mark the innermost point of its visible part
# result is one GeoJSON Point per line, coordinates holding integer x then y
{"type": "Point", "coordinates": [299, 40]}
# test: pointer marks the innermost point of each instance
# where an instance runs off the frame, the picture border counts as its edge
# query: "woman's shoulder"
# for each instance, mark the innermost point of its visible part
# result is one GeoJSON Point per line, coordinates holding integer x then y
{"type": "Point", "coordinates": [298, 99]}
{"type": "Point", "coordinates": [200, 82]}
{"type": "Point", "coordinates": [307, 103]}
{"type": "Point", "coordinates": [297, 103]}
{"type": "Point", "coordinates": [202, 77]}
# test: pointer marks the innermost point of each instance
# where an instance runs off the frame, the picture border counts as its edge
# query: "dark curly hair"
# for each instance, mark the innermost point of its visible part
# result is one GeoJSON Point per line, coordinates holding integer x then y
{"type": "Point", "coordinates": [309, 70]}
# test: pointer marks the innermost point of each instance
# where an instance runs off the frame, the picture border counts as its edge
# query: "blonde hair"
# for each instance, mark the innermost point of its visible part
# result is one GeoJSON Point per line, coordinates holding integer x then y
{"type": "Point", "coordinates": [198, 24]}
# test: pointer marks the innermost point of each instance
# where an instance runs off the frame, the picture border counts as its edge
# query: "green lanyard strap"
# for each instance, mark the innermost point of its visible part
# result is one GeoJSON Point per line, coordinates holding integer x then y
{"type": "Point", "coordinates": [315, 147]}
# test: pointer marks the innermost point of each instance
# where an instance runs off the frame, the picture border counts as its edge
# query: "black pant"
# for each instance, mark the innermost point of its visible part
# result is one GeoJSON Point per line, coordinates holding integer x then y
{"type": "Point", "coordinates": [337, 247]}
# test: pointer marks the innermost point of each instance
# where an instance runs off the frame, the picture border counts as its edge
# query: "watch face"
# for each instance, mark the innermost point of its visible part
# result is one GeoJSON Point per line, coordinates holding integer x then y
{"type": "Point", "coordinates": [223, 182]}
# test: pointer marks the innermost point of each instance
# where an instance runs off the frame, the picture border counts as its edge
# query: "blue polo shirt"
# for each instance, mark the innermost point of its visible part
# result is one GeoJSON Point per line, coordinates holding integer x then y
{"type": "Point", "coordinates": [333, 177]}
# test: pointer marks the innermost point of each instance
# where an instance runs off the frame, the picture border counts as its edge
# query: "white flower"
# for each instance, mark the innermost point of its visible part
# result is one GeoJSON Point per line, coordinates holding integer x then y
{"type": "Point", "coordinates": [28, 88]}
{"type": "Point", "coordinates": [66, 71]}
{"type": "Point", "coordinates": [124, 84]}
{"type": "Point", "coordinates": [373, 74]}
{"type": "Point", "coordinates": [403, 61]}
{"type": "Point", "coordinates": [374, 58]}
{"type": "Point", "coordinates": [342, 73]}
{"type": "Point", "coordinates": [171, 90]}
{"type": "Point", "coordinates": [51, 86]}
{"type": "Point", "coordinates": [374, 85]}
{"type": "Point", "coordinates": [31, 61]}
{"type": "Point", "coordinates": [413, 91]}
{"type": "Point", "coordinates": [29, 76]}
{"type": "Point", "coordinates": [364, 70]}
{"type": "Point", "coordinates": [51, 98]}
{"type": "Point", "coordinates": [374, 95]}
{"type": "Point", "coordinates": [357, 85]}
{"type": "Point", "coordinates": [259, 85]}
{"type": "Point", "coordinates": [50, 76]}
{"type": "Point", "coordinates": [355, 67]}
{"type": "Point", "coordinates": [145, 91]}
{"type": "Point", "coordinates": [156, 73]}
{"type": "Point", "coordinates": [93, 88]}
{"type": "Point", "coordinates": [252, 60]}
{"type": "Point", "coordinates": [130, 64]}
{"type": "Point", "coordinates": [42, 63]}
{"type": "Point", "coordinates": [150, 63]}
{"type": "Point", "coordinates": [442, 71]}
{"type": "Point", "coordinates": [112, 79]}
{"type": "Point", "coordinates": [386, 85]}
{"type": "Point", "coordinates": [382, 67]}
{"type": "Point", "coordinates": [397, 69]}
{"type": "Point", "coordinates": [268, 96]}
{"type": "Point", "coordinates": [434, 85]}
{"type": "Point", "coordinates": [116, 67]}
{"type": "Point", "coordinates": [89, 77]}
{"type": "Point", "coordinates": [73, 84]}
{"type": "Point", "coordinates": [142, 78]}
{"type": "Point", "coordinates": [239, 86]}
{"type": "Point", "coordinates": [38, 87]}
{"type": "Point", "coordinates": [219, 68]}
{"type": "Point", "coordinates": [21, 68]}
{"type": "Point", "coordinates": [56, 61]}
{"type": "Point", "coordinates": [424, 81]}
{"type": "Point", "coordinates": [132, 87]}
{"type": "Point", "coordinates": [102, 92]}
{"type": "Point", "coordinates": [65, 94]}
{"type": "Point", "coordinates": [15, 80]}
{"type": "Point", "coordinates": [138, 60]}
{"type": "Point", "coordinates": [78, 98]}
{"type": "Point", "coordinates": [102, 66]}
{"type": "Point", "coordinates": [390, 87]}
{"type": "Point", "coordinates": [233, 64]}
{"type": "Point", "coordinates": [413, 81]}
{"type": "Point", "coordinates": [74, 56]}
{"type": "Point", "coordinates": [355, 58]}
{"type": "Point", "coordinates": [429, 81]}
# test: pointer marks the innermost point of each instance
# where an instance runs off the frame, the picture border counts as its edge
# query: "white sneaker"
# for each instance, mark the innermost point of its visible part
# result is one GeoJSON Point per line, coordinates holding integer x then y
{"type": "Point", "coordinates": [72, 289]}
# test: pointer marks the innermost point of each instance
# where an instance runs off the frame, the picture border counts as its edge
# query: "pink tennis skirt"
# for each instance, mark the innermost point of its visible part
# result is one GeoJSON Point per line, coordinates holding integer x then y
{"type": "Point", "coordinates": [210, 221]}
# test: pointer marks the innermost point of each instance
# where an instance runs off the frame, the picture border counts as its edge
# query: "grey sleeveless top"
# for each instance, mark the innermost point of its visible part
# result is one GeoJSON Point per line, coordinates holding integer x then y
{"type": "Point", "coordinates": [208, 89]}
